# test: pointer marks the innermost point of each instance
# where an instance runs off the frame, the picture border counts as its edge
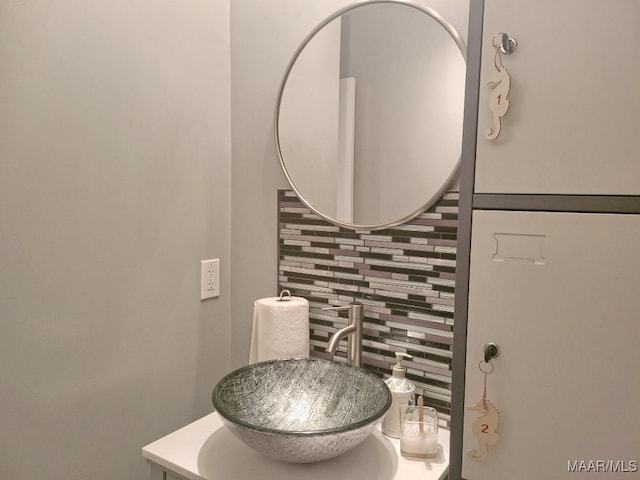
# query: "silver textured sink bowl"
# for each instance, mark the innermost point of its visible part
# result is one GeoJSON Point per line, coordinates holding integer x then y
{"type": "Point", "coordinates": [301, 410]}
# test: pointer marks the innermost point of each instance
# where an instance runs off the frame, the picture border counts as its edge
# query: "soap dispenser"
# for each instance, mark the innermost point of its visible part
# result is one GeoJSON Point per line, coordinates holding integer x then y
{"type": "Point", "coordinates": [401, 395]}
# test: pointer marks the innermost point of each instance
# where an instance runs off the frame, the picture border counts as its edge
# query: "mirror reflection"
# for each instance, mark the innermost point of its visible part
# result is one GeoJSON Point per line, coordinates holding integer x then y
{"type": "Point", "coordinates": [369, 116]}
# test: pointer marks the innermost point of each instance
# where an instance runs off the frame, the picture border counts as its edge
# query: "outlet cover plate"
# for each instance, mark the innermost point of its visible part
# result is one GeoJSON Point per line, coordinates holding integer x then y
{"type": "Point", "coordinates": [209, 278]}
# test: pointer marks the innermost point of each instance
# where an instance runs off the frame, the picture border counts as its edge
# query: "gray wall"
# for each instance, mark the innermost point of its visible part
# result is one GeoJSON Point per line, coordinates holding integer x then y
{"type": "Point", "coordinates": [114, 184]}
{"type": "Point", "coordinates": [264, 36]}
{"type": "Point", "coordinates": [115, 181]}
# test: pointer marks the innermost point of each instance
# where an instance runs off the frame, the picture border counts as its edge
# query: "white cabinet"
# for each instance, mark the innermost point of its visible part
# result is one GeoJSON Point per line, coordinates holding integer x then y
{"type": "Point", "coordinates": [207, 450]}
{"type": "Point", "coordinates": [158, 472]}
{"type": "Point", "coordinates": [573, 125]}
{"type": "Point", "coordinates": [558, 288]}
{"type": "Point", "coordinates": [560, 294]}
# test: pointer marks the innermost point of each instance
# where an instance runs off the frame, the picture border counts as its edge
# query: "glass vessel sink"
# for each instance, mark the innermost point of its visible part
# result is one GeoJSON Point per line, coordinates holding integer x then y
{"type": "Point", "coordinates": [301, 410]}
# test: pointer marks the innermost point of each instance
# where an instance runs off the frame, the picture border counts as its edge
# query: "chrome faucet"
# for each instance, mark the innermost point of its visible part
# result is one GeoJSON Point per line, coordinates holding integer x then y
{"type": "Point", "coordinates": [353, 332]}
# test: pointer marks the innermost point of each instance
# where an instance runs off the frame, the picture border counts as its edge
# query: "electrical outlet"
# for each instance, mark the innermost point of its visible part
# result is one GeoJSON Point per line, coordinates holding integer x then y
{"type": "Point", "coordinates": [209, 278]}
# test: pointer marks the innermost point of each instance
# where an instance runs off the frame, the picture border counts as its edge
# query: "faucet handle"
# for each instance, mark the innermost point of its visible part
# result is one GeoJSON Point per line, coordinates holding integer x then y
{"type": "Point", "coordinates": [355, 311]}
{"type": "Point", "coordinates": [345, 307]}
{"type": "Point", "coordinates": [337, 308]}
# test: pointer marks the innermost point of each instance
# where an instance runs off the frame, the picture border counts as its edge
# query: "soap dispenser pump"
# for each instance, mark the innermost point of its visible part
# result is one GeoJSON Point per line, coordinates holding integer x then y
{"type": "Point", "coordinates": [401, 395]}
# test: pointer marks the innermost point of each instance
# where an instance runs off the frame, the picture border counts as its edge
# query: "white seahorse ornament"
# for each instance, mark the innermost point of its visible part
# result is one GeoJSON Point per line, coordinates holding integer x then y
{"type": "Point", "coordinates": [499, 100]}
{"type": "Point", "coordinates": [485, 428]}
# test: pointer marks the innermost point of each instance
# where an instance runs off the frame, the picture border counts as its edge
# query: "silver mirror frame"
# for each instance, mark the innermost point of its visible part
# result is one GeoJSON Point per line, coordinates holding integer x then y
{"type": "Point", "coordinates": [430, 202]}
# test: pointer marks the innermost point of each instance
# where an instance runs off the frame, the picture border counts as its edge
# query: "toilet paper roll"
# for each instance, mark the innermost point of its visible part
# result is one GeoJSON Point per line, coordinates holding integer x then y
{"type": "Point", "coordinates": [280, 329]}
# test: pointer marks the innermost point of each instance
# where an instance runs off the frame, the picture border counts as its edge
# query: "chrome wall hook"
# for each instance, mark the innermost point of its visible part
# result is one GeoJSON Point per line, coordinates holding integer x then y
{"type": "Point", "coordinates": [491, 351]}
{"type": "Point", "coordinates": [506, 44]}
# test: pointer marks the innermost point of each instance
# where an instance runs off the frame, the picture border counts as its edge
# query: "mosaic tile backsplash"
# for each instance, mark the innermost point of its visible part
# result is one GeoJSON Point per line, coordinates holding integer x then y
{"type": "Point", "coordinates": [404, 276]}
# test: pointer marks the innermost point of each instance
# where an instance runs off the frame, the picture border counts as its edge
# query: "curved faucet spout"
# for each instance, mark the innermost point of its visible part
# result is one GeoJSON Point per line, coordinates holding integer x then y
{"type": "Point", "coordinates": [332, 346]}
{"type": "Point", "coordinates": [353, 333]}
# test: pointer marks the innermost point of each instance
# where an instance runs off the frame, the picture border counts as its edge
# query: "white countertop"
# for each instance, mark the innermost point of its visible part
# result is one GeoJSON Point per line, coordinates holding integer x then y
{"type": "Point", "coordinates": [207, 450]}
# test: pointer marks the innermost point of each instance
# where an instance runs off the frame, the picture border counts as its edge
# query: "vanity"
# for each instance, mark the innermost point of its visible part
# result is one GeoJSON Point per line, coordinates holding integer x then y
{"type": "Point", "coordinates": [363, 163]}
{"type": "Point", "coordinates": [207, 450]}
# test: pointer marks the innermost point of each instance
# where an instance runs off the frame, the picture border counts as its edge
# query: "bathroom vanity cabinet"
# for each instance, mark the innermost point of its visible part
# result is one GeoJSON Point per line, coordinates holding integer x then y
{"type": "Point", "coordinates": [207, 450]}
{"type": "Point", "coordinates": [550, 219]}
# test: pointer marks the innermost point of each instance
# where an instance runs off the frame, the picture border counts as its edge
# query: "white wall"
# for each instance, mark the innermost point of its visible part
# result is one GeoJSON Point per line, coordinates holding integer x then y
{"type": "Point", "coordinates": [264, 36]}
{"type": "Point", "coordinates": [114, 184]}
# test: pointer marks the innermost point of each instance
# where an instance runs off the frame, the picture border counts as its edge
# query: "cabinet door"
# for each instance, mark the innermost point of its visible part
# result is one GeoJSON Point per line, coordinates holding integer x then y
{"type": "Point", "coordinates": [560, 294]}
{"type": "Point", "coordinates": [573, 125]}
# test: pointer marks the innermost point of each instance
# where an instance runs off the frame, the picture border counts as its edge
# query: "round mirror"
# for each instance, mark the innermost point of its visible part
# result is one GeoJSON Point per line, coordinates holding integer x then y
{"type": "Point", "coordinates": [369, 114]}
